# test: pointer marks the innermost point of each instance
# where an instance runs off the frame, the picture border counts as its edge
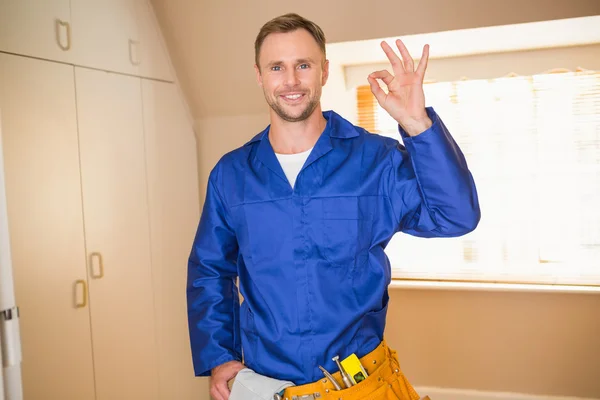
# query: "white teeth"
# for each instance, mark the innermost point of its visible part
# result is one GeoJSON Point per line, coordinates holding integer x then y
{"type": "Point", "coordinates": [293, 96]}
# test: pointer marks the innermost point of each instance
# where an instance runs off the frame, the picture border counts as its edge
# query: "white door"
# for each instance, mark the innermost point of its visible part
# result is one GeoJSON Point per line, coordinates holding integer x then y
{"type": "Point", "coordinates": [36, 28]}
{"type": "Point", "coordinates": [41, 155]}
{"type": "Point", "coordinates": [105, 35]}
{"type": "Point", "coordinates": [109, 109]}
{"type": "Point", "coordinates": [174, 211]}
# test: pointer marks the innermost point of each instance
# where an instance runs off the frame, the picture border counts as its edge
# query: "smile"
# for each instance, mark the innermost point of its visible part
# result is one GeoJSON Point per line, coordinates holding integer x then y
{"type": "Point", "coordinates": [293, 97]}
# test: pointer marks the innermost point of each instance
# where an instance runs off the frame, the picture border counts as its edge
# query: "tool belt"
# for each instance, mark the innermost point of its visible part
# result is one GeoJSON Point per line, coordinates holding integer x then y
{"type": "Point", "coordinates": [385, 381]}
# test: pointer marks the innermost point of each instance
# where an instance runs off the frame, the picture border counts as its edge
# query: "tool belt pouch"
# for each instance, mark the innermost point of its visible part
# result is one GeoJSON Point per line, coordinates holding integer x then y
{"type": "Point", "coordinates": [386, 381]}
{"type": "Point", "coordinates": [248, 385]}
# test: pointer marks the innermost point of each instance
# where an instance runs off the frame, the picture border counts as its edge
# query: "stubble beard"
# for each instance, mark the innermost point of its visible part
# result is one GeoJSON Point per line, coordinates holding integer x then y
{"type": "Point", "coordinates": [284, 115]}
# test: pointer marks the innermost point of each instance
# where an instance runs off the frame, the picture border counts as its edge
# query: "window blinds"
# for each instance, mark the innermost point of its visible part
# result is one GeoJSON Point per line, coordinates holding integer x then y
{"type": "Point", "coordinates": [533, 146]}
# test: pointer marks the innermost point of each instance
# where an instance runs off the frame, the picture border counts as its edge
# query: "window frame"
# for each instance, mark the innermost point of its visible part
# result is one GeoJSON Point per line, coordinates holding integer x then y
{"type": "Point", "coordinates": [341, 96]}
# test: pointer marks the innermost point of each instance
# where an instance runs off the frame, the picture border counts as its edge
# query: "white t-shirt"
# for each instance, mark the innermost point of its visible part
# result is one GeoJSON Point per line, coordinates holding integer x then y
{"type": "Point", "coordinates": [292, 164]}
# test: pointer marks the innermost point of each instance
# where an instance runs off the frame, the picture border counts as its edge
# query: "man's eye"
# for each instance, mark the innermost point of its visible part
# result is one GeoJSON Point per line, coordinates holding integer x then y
{"type": "Point", "coordinates": [276, 68]}
{"type": "Point", "coordinates": [304, 66]}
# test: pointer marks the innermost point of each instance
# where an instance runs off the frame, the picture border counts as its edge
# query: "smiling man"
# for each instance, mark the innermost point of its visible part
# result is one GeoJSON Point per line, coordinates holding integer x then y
{"type": "Point", "coordinates": [302, 213]}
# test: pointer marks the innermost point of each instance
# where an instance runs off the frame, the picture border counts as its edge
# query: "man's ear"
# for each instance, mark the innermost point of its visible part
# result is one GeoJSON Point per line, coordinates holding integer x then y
{"type": "Point", "coordinates": [325, 75]}
{"type": "Point", "coordinates": [258, 75]}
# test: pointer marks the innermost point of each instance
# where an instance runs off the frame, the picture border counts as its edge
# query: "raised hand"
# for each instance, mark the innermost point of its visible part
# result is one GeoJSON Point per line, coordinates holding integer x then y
{"type": "Point", "coordinates": [405, 100]}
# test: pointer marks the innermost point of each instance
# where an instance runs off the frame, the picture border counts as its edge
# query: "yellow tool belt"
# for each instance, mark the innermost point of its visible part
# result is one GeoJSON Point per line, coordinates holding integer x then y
{"type": "Point", "coordinates": [385, 382]}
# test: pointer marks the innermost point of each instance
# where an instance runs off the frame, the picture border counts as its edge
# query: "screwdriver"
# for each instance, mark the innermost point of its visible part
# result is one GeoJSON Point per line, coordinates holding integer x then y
{"type": "Point", "coordinates": [331, 378]}
{"type": "Point", "coordinates": [345, 377]}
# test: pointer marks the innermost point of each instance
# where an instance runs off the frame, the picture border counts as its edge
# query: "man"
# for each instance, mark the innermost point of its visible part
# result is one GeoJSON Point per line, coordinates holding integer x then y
{"type": "Point", "coordinates": [302, 214]}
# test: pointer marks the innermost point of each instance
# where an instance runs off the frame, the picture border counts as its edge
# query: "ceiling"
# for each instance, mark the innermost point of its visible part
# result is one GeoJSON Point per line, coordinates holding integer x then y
{"type": "Point", "coordinates": [211, 42]}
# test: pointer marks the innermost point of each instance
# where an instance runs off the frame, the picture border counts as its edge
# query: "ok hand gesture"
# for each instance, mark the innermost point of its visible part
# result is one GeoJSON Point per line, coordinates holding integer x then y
{"type": "Point", "coordinates": [405, 100]}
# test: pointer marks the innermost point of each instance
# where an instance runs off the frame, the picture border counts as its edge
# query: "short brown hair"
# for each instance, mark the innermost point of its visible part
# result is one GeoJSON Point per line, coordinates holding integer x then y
{"type": "Point", "coordinates": [288, 23]}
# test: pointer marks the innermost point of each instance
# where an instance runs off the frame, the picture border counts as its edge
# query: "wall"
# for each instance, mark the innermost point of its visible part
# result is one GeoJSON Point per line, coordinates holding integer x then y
{"type": "Point", "coordinates": [537, 343]}
{"type": "Point", "coordinates": [222, 134]}
{"type": "Point", "coordinates": [547, 343]}
{"type": "Point", "coordinates": [211, 42]}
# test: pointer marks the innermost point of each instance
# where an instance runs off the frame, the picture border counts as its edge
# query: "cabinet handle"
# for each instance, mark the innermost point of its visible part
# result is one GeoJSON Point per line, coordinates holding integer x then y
{"type": "Point", "coordinates": [59, 24]}
{"type": "Point", "coordinates": [100, 265]}
{"type": "Point", "coordinates": [133, 59]}
{"type": "Point", "coordinates": [85, 294]}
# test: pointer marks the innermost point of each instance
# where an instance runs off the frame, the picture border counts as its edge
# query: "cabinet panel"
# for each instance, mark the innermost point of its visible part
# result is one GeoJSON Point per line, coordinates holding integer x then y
{"type": "Point", "coordinates": [38, 116]}
{"type": "Point", "coordinates": [174, 213]}
{"type": "Point", "coordinates": [105, 35]}
{"type": "Point", "coordinates": [154, 56]}
{"type": "Point", "coordinates": [35, 28]}
{"type": "Point", "coordinates": [117, 227]}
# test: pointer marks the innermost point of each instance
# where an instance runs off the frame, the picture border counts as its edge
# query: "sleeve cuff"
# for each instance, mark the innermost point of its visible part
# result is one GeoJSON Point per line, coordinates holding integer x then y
{"type": "Point", "coordinates": [207, 369]}
{"type": "Point", "coordinates": [435, 126]}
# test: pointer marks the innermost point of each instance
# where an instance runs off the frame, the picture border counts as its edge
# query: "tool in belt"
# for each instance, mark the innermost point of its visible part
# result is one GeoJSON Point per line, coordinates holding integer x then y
{"type": "Point", "coordinates": [351, 370]}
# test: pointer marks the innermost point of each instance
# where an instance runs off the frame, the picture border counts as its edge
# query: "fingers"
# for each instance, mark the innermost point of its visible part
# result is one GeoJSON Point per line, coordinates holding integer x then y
{"type": "Point", "coordinates": [406, 64]}
{"type": "Point", "coordinates": [215, 394]}
{"type": "Point", "coordinates": [219, 390]}
{"type": "Point", "coordinates": [423, 62]}
{"type": "Point", "coordinates": [409, 64]}
{"type": "Point", "coordinates": [393, 57]}
{"type": "Point", "coordinates": [377, 91]}
{"type": "Point", "coordinates": [384, 75]}
{"type": "Point", "coordinates": [225, 392]}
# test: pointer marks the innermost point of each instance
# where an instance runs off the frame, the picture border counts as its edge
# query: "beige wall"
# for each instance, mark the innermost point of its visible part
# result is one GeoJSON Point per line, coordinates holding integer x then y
{"type": "Point", "coordinates": [539, 343]}
{"type": "Point", "coordinates": [219, 135]}
{"type": "Point", "coordinates": [522, 342]}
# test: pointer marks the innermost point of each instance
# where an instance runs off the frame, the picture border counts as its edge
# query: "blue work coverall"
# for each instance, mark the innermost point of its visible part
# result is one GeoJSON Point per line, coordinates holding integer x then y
{"type": "Point", "coordinates": [310, 259]}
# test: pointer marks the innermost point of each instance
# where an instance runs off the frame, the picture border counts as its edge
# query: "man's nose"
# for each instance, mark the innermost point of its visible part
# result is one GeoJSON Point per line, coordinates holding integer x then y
{"type": "Point", "coordinates": [291, 77]}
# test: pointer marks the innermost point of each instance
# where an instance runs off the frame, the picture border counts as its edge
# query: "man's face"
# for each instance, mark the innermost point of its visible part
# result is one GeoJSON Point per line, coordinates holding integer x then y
{"type": "Point", "coordinates": [292, 73]}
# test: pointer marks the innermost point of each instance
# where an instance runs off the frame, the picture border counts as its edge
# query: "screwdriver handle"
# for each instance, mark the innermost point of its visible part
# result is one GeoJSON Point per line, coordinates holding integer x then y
{"type": "Point", "coordinates": [345, 377]}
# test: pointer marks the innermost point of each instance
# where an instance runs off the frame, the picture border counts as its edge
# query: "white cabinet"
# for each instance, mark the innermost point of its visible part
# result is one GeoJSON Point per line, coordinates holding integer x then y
{"type": "Point", "coordinates": [153, 55]}
{"type": "Point", "coordinates": [105, 35]}
{"type": "Point", "coordinates": [111, 35]}
{"type": "Point", "coordinates": [174, 213]}
{"type": "Point", "coordinates": [102, 191]}
{"type": "Point", "coordinates": [36, 28]}
{"type": "Point", "coordinates": [39, 132]}
{"type": "Point", "coordinates": [117, 231]}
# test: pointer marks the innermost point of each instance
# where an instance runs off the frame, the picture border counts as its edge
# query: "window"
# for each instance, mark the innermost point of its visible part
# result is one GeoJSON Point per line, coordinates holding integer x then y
{"type": "Point", "coordinates": [533, 146]}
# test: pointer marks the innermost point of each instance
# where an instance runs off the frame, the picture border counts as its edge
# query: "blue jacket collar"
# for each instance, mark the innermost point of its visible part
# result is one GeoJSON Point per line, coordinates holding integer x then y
{"type": "Point", "coordinates": [337, 127]}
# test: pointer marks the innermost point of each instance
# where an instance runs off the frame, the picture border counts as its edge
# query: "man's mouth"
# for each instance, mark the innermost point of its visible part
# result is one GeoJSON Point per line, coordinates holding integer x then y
{"type": "Point", "coordinates": [292, 97]}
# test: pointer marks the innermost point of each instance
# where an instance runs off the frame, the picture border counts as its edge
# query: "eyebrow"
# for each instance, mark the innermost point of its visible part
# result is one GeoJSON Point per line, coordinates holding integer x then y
{"type": "Point", "coordinates": [307, 60]}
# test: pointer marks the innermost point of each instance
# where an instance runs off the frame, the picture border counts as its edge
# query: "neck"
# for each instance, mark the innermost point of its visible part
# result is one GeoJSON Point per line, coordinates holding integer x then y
{"type": "Point", "coordinates": [296, 137]}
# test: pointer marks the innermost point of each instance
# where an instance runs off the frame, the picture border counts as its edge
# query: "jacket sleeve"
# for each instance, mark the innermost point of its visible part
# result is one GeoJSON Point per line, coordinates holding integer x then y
{"type": "Point", "coordinates": [212, 294]}
{"type": "Point", "coordinates": [431, 189]}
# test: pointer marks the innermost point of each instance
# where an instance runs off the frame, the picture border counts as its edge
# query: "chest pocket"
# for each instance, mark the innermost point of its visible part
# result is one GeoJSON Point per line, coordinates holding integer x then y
{"type": "Point", "coordinates": [269, 231]}
{"type": "Point", "coordinates": [344, 234]}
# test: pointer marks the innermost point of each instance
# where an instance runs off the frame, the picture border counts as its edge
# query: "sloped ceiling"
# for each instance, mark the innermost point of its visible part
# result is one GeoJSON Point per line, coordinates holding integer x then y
{"type": "Point", "coordinates": [211, 42]}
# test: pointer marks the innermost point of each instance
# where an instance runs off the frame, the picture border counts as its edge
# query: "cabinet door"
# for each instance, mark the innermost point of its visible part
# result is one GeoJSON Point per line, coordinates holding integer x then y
{"type": "Point", "coordinates": [39, 132]}
{"type": "Point", "coordinates": [154, 58]}
{"type": "Point", "coordinates": [105, 35]}
{"type": "Point", "coordinates": [109, 109]}
{"type": "Point", "coordinates": [36, 28]}
{"type": "Point", "coordinates": [174, 212]}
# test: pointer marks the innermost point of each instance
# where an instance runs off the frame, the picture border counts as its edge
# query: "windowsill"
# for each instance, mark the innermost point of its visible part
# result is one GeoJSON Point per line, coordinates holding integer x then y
{"type": "Point", "coordinates": [494, 287]}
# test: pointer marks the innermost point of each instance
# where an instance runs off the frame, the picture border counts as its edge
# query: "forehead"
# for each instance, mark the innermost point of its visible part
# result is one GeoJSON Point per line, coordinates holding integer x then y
{"type": "Point", "coordinates": [289, 46]}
